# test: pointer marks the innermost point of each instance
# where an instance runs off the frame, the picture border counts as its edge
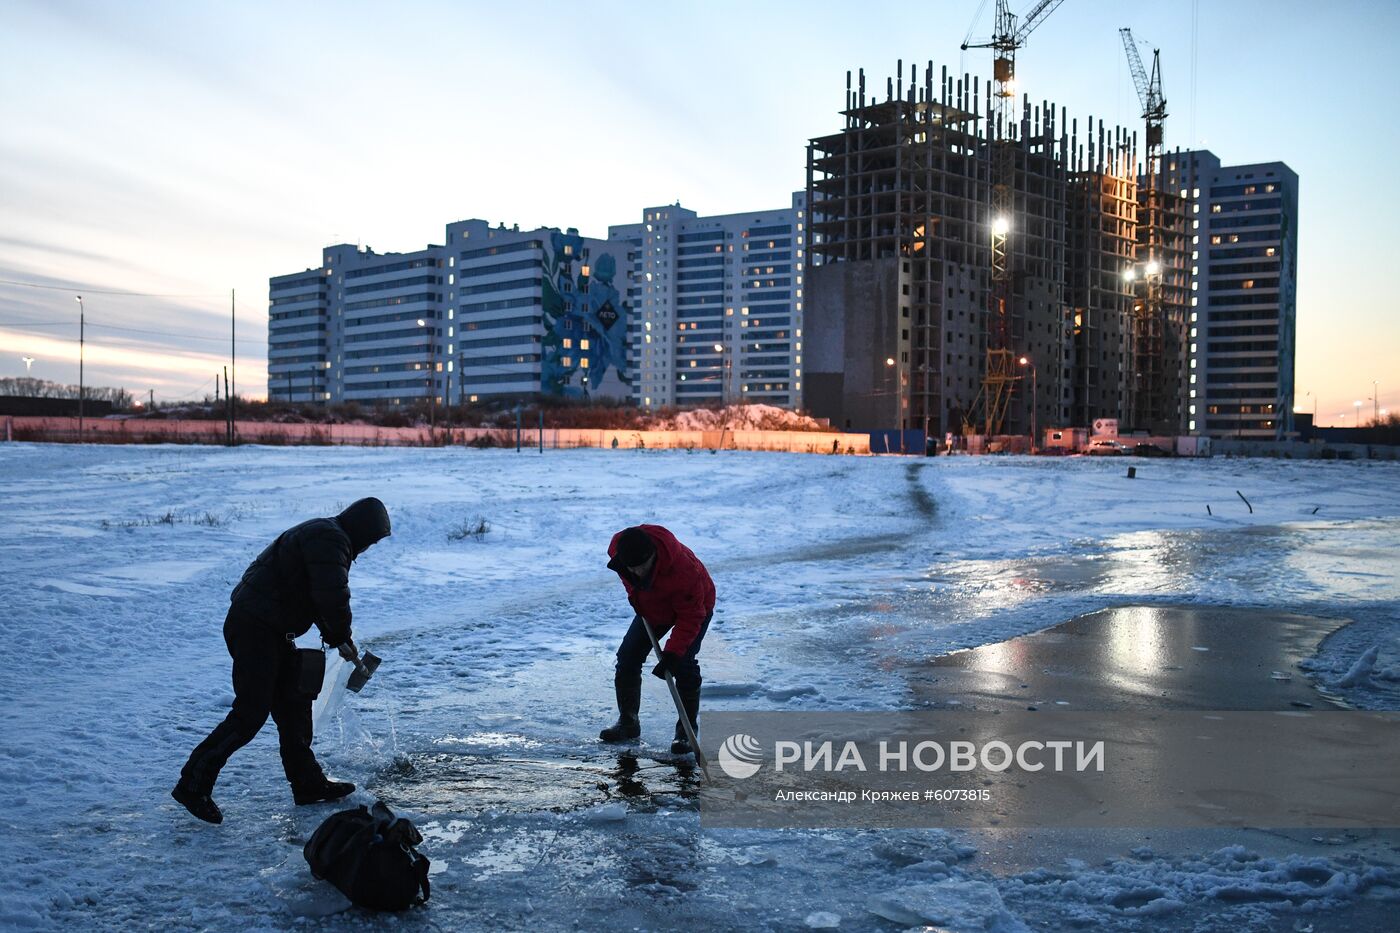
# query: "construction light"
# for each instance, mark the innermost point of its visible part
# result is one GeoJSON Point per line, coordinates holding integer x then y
{"type": "Point", "coordinates": [1024, 361]}
{"type": "Point", "coordinates": [1000, 226]}
{"type": "Point", "coordinates": [719, 348]}
{"type": "Point", "coordinates": [422, 323]}
{"type": "Point", "coordinates": [889, 361]}
{"type": "Point", "coordinates": [1129, 274]}
{"type": "Point", "coordinates": [1154, 267]}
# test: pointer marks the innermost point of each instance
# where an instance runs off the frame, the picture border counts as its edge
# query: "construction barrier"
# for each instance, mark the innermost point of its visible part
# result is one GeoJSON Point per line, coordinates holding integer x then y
{"type": "Point", "coordinates": [155, 431]}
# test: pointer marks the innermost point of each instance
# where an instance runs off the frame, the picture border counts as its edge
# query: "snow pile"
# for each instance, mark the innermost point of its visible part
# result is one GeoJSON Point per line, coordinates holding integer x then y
{"type": "Point", "coordinates": [741, 418]}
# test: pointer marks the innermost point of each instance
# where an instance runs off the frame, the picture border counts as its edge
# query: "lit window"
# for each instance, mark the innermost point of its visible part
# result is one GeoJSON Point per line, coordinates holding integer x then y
{"type": "Point", "coordinates": [568, 343]}
{"type": "Point", "coordinates": [567, 361]}
{"type": "Point", "coordinates": [583, 363]}
{"type": "Point", "coordinates": [1215, 208]}
{"type": "Point", "coordinates": [471, 398]}
{"type": "Point", "coordinates": [1247, 283]}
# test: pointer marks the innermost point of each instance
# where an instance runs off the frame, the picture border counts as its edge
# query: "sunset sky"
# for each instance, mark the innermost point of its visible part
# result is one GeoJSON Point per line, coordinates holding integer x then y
{"type": "Point", "coordinates": [183, 150]}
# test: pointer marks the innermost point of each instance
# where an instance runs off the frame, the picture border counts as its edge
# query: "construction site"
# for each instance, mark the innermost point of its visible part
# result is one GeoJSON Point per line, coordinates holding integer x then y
{"type": "Point", "coordinates": [982, 268]}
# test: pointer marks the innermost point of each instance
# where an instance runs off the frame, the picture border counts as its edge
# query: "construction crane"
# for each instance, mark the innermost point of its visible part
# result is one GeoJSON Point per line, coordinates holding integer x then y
{"type": "Point", "coordinates": [1148, 376]}
{"type": "Point", "coordinates": [1006, 38]}
{"type": "Point", "coordinates": [1000, 373]}
{"type": "Point", "coordinates": [1154, 105]}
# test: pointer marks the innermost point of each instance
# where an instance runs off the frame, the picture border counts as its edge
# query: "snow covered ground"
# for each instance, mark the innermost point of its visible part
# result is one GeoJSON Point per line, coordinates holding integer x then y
{"type": "Point", "coordinates": [838, 578]}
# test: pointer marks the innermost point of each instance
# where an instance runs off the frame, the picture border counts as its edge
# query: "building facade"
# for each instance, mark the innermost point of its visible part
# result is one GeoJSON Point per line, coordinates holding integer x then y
{"type": "Point", "coordinates": [491, 313]}
{"type": "Point", "coordinates": [1243, 306]}
{"type": "Point", "coordinates": [718, 305]}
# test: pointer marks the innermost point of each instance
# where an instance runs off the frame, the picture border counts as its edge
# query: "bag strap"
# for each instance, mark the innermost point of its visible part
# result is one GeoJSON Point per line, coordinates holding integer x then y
{"type": "Point", "coordinates": [420, 864]}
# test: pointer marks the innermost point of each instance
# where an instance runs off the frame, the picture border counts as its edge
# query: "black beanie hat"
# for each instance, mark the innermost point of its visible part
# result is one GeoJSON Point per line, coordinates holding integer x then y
{"type": "Point", "coordinates": [634, 547]}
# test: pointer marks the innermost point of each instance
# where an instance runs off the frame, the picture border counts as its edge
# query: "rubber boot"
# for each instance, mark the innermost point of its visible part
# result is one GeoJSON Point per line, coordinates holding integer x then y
{"type": "Point", "coordinates": [321, 791]}
{"type": "Point", "coordinates": [690, 699]}
{"type": "Point", "coordinates": [629, 701]}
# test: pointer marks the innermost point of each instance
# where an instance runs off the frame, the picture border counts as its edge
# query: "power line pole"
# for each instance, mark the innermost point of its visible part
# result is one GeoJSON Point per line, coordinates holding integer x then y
{"type": "Point", "coordinates": [81, 390]}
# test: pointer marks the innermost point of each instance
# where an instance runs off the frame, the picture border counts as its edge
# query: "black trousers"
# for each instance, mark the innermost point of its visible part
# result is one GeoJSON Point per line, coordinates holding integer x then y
{"type": "Point", "coordinates": [265, 668]}
{"type": "Point", "coordinates": [635, 651]}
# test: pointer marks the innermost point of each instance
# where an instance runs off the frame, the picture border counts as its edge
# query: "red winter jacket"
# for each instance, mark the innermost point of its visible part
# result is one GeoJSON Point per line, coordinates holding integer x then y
{"type": "Point", "coordinates": [681, 592]}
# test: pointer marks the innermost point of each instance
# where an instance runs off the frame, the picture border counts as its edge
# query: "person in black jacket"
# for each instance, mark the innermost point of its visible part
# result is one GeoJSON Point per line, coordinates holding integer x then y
{"type": "Point", "coordinates": [300, 579]}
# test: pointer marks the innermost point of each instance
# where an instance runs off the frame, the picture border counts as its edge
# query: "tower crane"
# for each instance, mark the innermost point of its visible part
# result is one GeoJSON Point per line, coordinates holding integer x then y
{"type": "Point", "coordinates": [1154, 105]}
{"type": "Point", "coordinates": [1000, 374]}
{"type": "Point", "coordinates": [1149, 378]}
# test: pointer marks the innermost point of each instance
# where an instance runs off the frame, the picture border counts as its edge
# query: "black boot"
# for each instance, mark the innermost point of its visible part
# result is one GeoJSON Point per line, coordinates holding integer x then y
{"type": "Point", "coordinates": [321, 791]}
{"type": "Point", "coordinates": [690, 699]}
{"type": "Point", "coordinates": [629, 701]}
{"type": "Point", "coordinates": [198, 802]}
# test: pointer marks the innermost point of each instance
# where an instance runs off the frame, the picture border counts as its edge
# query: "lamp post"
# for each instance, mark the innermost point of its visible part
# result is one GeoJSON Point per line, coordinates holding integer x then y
{"type": "Point", "coordinates": [432, 376]}
{"type": "Point", "coordinates": [1027, 361]}
{"type": "Point", "coordinates": [1375, 402]}
{"type": "Point", "coordinates": [889, 381]}
{"type": "Point", "coordinates": [1356, 422]}
{"type": "Point", "coordinates": [725, 364]}
{"type": "Point", "coordinates": [28, 363]}
{"type": "Point", "coordinates": [82, 326]}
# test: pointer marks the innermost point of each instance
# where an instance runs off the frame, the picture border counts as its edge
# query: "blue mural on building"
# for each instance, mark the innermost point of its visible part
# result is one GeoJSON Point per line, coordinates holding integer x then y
{"type": "Point", "coordinates": [584, 350]}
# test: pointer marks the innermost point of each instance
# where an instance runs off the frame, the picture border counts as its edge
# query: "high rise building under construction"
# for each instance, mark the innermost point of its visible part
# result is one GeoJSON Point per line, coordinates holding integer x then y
{"type": "Point", "coordinates": [974, 274]}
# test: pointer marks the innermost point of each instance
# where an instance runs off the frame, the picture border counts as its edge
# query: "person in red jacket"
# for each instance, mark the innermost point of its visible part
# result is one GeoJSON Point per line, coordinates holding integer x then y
{"type": "Point", "coordinates": [670, 590]}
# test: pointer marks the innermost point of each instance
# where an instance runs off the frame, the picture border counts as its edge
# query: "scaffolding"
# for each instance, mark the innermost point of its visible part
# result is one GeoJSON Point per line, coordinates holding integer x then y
{"type": "Point", "coordinates": [909, 179]}
{"type": "Point", "coordinates": [985, 245]}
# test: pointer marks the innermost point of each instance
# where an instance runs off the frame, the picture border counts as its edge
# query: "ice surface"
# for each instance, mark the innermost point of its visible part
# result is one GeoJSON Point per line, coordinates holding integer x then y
{"type": "Point", "coordinates": [839, 578]}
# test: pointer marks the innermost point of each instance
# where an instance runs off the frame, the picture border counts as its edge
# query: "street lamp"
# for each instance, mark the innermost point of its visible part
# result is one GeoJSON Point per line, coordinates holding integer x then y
{"type": "Point", "coordinates": [432, 376]}
{"type": "Point", "coordinates": [1026, 361]}
{"type": "Point", "coordinates": [82, 319]}
{"type": "Point", "coordinates": [1001, 226]}
{"type": "Point", "coordinates": [889, 381]}
{"type": "Point", "coordinates": [28, 362]}
{"type": "Point", "coordinates": [725, 373]}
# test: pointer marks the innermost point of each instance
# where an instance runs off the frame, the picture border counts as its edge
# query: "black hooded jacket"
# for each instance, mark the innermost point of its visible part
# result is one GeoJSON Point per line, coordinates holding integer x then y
{"type": "Point", "coordinates": [304, 576]}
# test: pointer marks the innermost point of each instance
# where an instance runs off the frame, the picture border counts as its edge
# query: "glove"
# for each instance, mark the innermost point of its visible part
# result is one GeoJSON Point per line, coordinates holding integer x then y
{"type": "Point", "coordinates": [348, 652]}
{"type": "Point", "coordinates": [667, 665]}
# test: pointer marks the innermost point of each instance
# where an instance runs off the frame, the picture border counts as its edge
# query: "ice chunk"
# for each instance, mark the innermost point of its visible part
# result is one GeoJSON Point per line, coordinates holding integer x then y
{"type": "Point", "coordinates": [957, 906]}
{"type": "Point", "coordinates": [822, 920]}
{"type": "Point", "coordinates": [605, 813]}
{"type": "Point", "coordinates": [1360, 672]}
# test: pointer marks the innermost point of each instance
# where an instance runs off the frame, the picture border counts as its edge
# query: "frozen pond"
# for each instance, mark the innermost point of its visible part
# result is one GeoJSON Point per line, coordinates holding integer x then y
{"type": "Point", "coordinates": [841, 581]}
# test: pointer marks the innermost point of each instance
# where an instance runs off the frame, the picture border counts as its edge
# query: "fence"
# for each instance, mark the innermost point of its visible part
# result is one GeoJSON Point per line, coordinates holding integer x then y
{"type": "Point", "coordinates": [151, 431]}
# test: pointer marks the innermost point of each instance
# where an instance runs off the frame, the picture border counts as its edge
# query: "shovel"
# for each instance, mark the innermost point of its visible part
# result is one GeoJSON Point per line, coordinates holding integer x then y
{"type": "Point", "coordinates": [680, 707]}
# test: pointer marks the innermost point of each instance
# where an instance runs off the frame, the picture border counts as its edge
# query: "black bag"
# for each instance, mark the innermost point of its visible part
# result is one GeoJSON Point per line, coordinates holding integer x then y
{"type": "Point", "coordinates": [311, 672]}
{"type": "Point", "coordinates": [369, 856]}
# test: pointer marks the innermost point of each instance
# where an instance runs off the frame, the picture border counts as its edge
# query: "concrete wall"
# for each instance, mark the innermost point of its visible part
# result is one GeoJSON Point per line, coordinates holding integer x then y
{"type": "Point", "coordinates": [853, 327]}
